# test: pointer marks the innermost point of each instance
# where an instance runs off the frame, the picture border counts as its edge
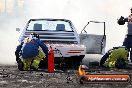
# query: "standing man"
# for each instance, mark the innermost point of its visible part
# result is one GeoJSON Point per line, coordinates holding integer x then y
{"type": "Point", "coordinates": [128, 40]}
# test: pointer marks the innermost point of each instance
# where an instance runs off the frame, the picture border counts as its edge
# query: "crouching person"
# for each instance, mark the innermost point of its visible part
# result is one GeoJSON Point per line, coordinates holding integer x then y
{"type": "Point", "coordinates": [115, 58]}
{"type": "Point", "coordinates": [31, 52]}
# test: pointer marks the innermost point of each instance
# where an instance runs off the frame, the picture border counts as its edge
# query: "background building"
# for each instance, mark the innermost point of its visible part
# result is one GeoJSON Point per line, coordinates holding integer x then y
{"type": "Point", "coordinates": [11, 7]}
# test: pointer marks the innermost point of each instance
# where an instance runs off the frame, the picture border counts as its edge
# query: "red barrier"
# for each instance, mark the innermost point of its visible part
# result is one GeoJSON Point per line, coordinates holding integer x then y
{"type": "Point", "coordinates": [51, 61]}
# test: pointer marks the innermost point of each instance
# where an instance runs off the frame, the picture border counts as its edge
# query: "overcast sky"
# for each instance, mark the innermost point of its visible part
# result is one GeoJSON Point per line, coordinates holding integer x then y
{"type": "Point", "coordinates": [78, 11]}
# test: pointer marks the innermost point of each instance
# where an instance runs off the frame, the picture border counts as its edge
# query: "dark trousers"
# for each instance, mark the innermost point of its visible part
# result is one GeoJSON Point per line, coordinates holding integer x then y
{"type": "Point", "coordinates": [128, 44]}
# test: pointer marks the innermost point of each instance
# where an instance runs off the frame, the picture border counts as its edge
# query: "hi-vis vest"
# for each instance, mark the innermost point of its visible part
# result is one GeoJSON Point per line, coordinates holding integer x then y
{"type": "Point", "coordinates": [111, 57]}
{"type": "Point", "coordinates": [116, 54]}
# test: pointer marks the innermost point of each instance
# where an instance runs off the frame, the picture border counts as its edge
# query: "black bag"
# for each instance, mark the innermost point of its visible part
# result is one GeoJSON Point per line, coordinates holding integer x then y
{"type": "Point", "coordinates": [121, 21]}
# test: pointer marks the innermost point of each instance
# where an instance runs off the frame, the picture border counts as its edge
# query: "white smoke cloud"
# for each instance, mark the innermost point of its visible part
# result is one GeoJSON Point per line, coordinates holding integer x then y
{"type": "Point", "coordinates": [78, 11]}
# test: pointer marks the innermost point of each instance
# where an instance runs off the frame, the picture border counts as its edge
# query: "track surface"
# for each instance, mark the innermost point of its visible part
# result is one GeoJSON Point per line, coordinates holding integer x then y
{"type": "Point", "coordinates": [11, 77]}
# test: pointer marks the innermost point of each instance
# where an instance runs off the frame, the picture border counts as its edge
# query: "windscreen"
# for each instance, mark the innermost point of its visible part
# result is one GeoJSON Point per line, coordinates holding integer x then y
{"type": "Point", "coordinates": [49, 25]}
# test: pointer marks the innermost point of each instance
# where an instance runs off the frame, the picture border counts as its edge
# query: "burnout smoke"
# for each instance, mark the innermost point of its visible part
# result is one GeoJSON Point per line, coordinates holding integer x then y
{"type": "Point", "coordinates": [78, 11]}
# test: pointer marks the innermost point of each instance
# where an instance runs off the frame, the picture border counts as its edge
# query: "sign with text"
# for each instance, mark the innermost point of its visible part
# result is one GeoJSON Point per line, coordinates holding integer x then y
{"type": "Point", "coordinates": [107, 78]}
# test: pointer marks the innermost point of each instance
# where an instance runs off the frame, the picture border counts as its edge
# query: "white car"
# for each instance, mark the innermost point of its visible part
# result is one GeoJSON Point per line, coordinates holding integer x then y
{"type": "Point", "coordinates": [61, 35]}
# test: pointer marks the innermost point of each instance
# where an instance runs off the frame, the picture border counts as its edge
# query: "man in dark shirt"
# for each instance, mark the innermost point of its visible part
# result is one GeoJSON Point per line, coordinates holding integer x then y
{"type": "Point", "coordinates": [128, 39]}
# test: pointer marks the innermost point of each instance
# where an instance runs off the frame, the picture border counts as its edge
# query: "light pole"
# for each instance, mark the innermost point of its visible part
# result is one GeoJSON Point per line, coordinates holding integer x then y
{"type": "Point", "coordinates": [15, 7]}
{"type": "Point", "coordinates": [5, 7]}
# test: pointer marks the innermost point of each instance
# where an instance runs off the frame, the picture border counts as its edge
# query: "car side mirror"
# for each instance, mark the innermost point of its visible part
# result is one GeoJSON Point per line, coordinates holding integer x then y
{"type": "Point", "coordinates": [18, 29]}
